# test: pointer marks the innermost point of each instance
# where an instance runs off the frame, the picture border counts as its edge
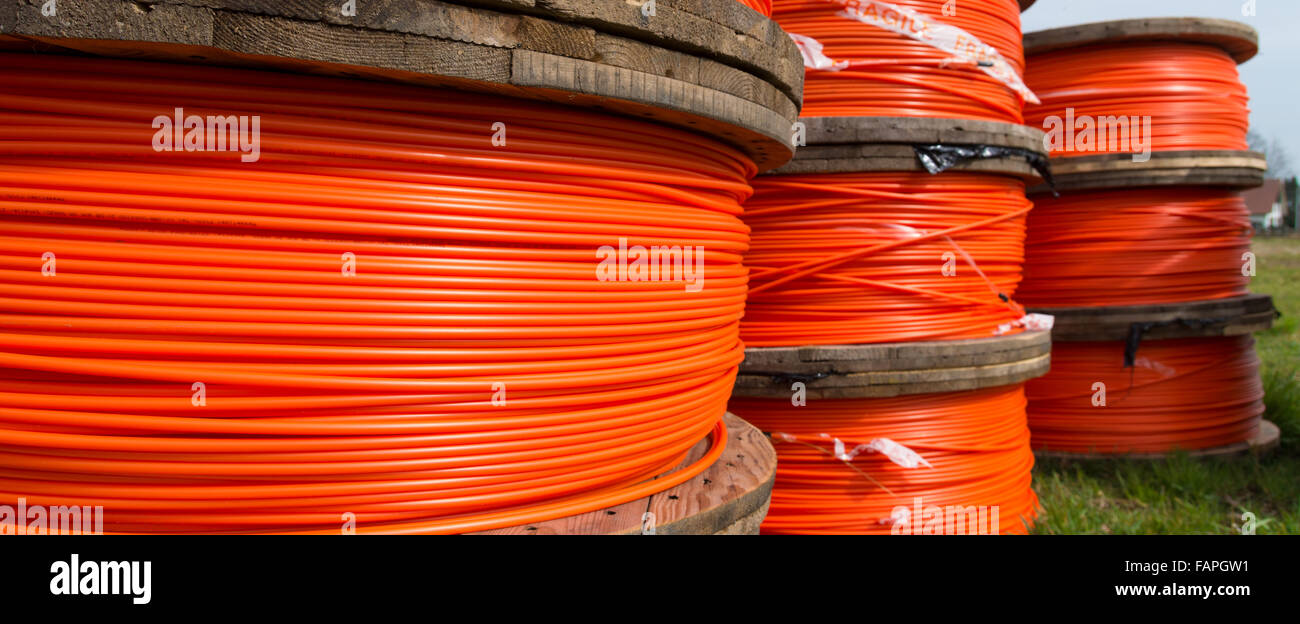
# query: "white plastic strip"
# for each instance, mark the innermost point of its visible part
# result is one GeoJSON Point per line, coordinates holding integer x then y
{"type": "Point", "coordinates": [1153, 365]}
{"type": "Point", "coordinates": [951, 39]}
{"type": "Point", "coordinates": [896, 452]}
{"type": "Point", "coordinates": [813, 58]}
{"type": "Point", "coordinates": [1031, 322]}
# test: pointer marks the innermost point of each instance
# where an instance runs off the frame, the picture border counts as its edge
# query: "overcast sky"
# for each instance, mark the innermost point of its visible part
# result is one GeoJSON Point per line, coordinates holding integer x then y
{"type": "Point", "coordinates": [1272, 78]}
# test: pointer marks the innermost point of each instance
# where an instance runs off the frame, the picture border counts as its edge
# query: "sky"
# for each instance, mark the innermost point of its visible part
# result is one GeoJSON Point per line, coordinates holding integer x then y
{"type": "Point", "coordinates": [1272, 78]}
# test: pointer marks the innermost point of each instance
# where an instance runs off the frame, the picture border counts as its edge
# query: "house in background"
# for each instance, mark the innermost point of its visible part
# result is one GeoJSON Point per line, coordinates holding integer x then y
{"type": "Point", "coordinates": [1267, 205]}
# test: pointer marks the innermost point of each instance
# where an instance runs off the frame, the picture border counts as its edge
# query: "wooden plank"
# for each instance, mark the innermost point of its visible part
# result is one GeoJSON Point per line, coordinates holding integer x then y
{"type": "Point", "coordinates": [738, 41]}
{"type": "Point", "coordinates": [727, 493]}
{"type": "Point", "coordinates": [1227, 168]}
{"type": "Point", "coordinates": [1219, 317]}
{"type": "Point", "coordinates": [896, 383]}
{"type": "Point", "coordinates": [110, 19]}
{"type": "Point", "coordinates": [1241, 41]}
{"type": "Point", "coordinates": [896, 356]}
{"type": "Point", "coordinates": [569, 76]}
{"type": "Point", "coordinates": [730, 105]}
{"type": "Point", "coordinates": [920, 130]}
{"type": "Point", "coordinates": [729, 497]}
{"type": "Point", "coordinates": [1266, 439]}
{"type": "Point", "coordinates": [855, 158]}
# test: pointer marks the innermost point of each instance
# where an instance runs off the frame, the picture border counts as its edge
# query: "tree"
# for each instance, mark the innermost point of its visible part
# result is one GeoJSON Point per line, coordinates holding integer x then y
{"type": "Point", "coordinates": [1279, 162]}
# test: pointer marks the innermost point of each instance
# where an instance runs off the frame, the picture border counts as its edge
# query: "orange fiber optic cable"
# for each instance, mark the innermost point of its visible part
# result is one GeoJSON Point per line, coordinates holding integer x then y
{"type": "Point", "coordinates": [975, 442]}
{"type": "Point", "coordinates": [764, 7]}
{"type": "Point", "coordinates": [1136, 246]}
{"type": "Point", "coordinates": [855, 258]}
{"type": "Point", "coordinates": [1190, 92]}
{"type": "Point", "coordinates": [894, 75]}
{"type": "Point", "coordinates": [394, 312]}
{"type": "Point", "coordinates": [1185, 394]}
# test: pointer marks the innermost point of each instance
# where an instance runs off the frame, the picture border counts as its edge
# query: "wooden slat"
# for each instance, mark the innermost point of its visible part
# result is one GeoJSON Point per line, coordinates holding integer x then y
{"type": "Point", "coordinates": [1233, 317]}
{"type": "Point", "coordinates": [856, 158]}
{"type": "Point", "coordinates": [897, 356]}
{"type": "Point", "coordinates": [920, 130]}
{"type": "Point", "coordinates": [1241, 41]}
{"type": "Point", "coordinates": [731, 37]}
{"type": "Point", "coordinates": [729, 497]}
{"type": "Point", "coordinates": [877, 384]}
{"type": "Point", "coordinates": [432, 43]}
{"type": "Point", "coordinates": [1227, 168]}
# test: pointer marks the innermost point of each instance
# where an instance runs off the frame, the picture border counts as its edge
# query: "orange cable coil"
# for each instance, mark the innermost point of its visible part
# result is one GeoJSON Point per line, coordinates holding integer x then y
{"type": "Point", "coordinates": [976, 441]}
{"type": "Point", "coordinates": [896, 76]}
{"type": "Point", "coordinates": [1188, 394]}
{"type": "Point", "coordinates": [853, 258]}
{"type": "Point", "coordinates": [1136, 246]}
{"type": "Point", "coordinates": [1191, 93]}
{"type": "Point", "coordinates": [371, 393]}
{"type": "Point", "coordinates": [764, 7]}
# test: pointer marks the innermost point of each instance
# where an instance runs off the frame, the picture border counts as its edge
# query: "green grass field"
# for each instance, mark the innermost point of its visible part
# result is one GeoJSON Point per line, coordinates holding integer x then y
{"type": "Point", "coordinates": [1184, 495]}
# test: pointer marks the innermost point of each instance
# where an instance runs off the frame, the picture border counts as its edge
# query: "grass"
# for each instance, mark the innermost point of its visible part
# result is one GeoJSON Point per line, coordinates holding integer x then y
{"type": "Point", "coordinates": [1185, 495]}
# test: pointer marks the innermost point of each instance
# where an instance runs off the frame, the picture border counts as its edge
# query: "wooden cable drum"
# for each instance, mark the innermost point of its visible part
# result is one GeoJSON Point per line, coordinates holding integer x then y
{"type": "Point", "coordinates": [716, 68]}
{"type": "Point", "coordinates": [326, 392]}
{"type": "Point", "coordinates": [1141, 259]}
{"type": "Point", "coordinates": [872, 144]}
{"type": "Point", "coordinates": [1197, 395]}
{"type": "Point", "coordinates": [1177, 377]}
{"type": "Point", "coordinates": [1099, 82]}
{"type": "Point", "coordinates": [854, 336]}
{"type": "Point", "coordinates": [894, 369]}
{"type": "Point", "coordinates": [1192, 319]}
{"type": "Point", "coordinates": [731, 497]}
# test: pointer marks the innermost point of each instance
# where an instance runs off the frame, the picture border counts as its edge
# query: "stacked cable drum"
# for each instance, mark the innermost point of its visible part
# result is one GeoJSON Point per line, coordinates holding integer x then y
{"type": "Point", "coordinates": [885, 354]}
{"type": "Point", "coordinates": [262, 294]}
{"type": "Point", "coordinates": [1144, 257]}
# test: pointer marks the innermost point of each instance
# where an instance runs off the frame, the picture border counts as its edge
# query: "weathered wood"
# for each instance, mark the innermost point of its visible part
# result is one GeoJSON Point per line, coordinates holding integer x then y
{"type": "Point", "coordinates": [745, 472]}
{"type": "Point", "coordinates": [896, 383]}
{"type": "Point", "coordinates": [857, 158]}
{"type": "Point", "coordinates": [1219, 317]}
{"type": "Point", "coordinates": [728, 498]}
{"type": "Point", "coordinates": [1266, 439]}
{"type": "Point", "coordinates": [1239, 40]}
{"type": "Point", "coordinates": [861, 144]}
{"type": "Point", "coordinates": [727, 36]}
{"type": "Point", "coordinates": [893, 369]}
{"type": "Point", "coordinates": [431, 43]}
{"type": "Point", "coordinates": [1228, 168]}
{"type": "Point", "coordinates": [896, 356]}
{"type": "Point", "coordinates": [920, 130]}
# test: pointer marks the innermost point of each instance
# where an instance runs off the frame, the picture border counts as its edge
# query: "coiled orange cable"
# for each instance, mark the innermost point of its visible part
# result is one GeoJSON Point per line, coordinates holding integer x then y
{"type": "Point", "coordinates": [472, 373]}
{"type": "Point", "coordinates": [976, 442]}
{"type": "Point", "coordinates": [893, 75]}
{"type": "Point", "coordinates": [1191, 92]}
{"type": "Point", "coordinates": [1136, 246]}
{"type": "Point", "coordinates": [764, 7]}
{"type": "Point", "coordinates": [1188, 394]}
{"type": "Point", "coordinates": [882, 257]}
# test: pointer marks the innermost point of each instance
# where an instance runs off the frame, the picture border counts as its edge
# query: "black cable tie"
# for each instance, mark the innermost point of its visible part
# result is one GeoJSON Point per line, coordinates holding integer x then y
{"type": "Point", "coordinates": [1137, 330]}
{"type": "Point", "coordinates": [787, 378]}
{"type": "Point", "coordinates": [937, 158]}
